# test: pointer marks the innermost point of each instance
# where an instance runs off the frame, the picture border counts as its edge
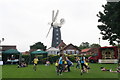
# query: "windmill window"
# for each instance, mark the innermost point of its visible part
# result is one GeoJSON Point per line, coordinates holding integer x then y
{"type": "Point", "coordinates": [57, 30]}
{"type": "Point", "coordinates": [57, 34]}
{"type": "Point", "coordinates": [57, 38]}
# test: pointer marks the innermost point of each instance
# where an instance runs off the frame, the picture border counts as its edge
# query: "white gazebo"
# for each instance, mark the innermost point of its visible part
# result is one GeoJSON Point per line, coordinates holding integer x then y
{"type": "Point", "coordinates": [53, 51]}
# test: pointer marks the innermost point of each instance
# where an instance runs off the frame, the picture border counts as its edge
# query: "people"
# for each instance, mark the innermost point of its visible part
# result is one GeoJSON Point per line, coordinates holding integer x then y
{"type": "Point", "coordinates": [47, 63]}
{"type": "Point", "coordinates": [87, 64]}
{"type": "Point", "coordinates": [35, 61]}
{"type": "Point", "coordinates": [12, 59]}
{"type": "Point", "coordinates": [60, 64]}
{"type": "Point", "coordinates": [110, 70]}
{"type": "Point", "coordinates": [22, 64]}
{"type": "Point", "coordinates": [69, 63]}
{"type": "Point", "coordinates": [57, 67]}
{"type": "Point", "coordinates": [104, 69]}
{"type": "Point", "coordinates": [118, 69]}
{"type": "Point", "coordinates": [78, 62]}
{"type": "Point", "coordinates": [65, 64]}
{"type": "Point", "coordinates": [83, 65]}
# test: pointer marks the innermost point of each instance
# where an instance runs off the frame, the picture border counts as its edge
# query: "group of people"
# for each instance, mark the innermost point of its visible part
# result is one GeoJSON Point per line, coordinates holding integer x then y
{"type": "Point", "coordinates": [84, 62]}
{"type": "Point", "coordinates": [63, 64]}
{"type": "Point", "coordinates": [110, 70]}
{"type": "Point", "coordinates": [22, 64]}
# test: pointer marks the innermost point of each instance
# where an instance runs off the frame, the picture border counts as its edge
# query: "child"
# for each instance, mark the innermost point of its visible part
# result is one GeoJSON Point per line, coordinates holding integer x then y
{"type": "Point", "coordinates": [104, 69]}
{"type": "Point", "coordinates": [118, 69]}
{"type": "Point", "coordinates": [87, 64]}
{"type": "Point", "coordinates": [47, 63]}
{"type": "Point", "coordinates": [60, 63]}
{"type": "Point", "coordinates": [57, 67]}
{"type": "Point", "coordinates": [83, 65]}
{"type": "Point", "coordinates": [22, 64]}
{"type": "Point", "coordinates": [64, 65]}
{"type": "Point", "coordinates": [78, 62]}
{"type": "Point", "coordinates": [35, 61]}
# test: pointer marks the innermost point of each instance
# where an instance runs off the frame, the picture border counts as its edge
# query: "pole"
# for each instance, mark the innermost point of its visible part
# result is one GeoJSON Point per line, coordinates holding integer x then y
{"type": "Point", "coordinates": [99, 41]}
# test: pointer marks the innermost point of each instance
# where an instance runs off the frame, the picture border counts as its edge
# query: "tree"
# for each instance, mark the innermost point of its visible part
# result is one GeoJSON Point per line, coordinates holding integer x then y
{"type": "Point", "coordinates": [110, 22]}
{"type": "Point", "coordinates": [94, 45]}
{"type": "Point", "coordinates": [38, 45]}
{"type": "Point", "coordinates": [84, 45]}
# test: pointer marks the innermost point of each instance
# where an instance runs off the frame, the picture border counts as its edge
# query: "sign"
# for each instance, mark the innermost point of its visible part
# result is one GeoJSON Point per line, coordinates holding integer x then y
{"type": "Point", "coordinates": [107, 61]}
{"type": "Point", "coordinates": [1, 62]}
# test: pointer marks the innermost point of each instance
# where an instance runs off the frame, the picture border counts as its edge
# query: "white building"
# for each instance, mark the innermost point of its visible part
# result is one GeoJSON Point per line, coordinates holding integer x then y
{"type": "Point", "coordinates": [53, 51]}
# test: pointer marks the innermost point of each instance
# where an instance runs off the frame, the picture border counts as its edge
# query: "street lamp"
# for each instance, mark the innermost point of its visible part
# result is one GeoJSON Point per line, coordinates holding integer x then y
{"type": "Point", "coordinates": [99, 41]}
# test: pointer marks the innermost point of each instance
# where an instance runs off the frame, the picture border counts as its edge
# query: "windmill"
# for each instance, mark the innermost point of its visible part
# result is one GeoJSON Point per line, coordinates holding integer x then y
{"type": "Point", "coordinates": [56, 34]}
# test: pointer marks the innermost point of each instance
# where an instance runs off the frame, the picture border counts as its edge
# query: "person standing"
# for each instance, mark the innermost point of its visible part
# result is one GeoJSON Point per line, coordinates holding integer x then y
{"type": "Point", "coordinates": [69, 63]}
{"type": "Point", "coordinates": [82, 61]}
{"type": "Point", "coordinates": [57, 67]}
{"type": "Point", "coordinates": [60, 64]}
{"type": "Point", "coordinates": [35, 61]}
{"type": "Point", "coordinates": [78, 62]}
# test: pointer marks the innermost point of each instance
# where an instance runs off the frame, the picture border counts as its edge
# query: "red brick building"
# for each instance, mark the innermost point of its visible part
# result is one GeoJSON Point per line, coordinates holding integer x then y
{"type": "Point", "coordinates": [6, 47]}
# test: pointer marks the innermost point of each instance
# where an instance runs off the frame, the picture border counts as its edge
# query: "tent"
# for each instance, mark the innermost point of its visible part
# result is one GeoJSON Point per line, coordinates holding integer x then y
{"type": "Point", "coordinates": [7, 54]}
{"type": "Point", "coordinates": [11, 51]}
{"type": "Point", "coordinates": [41, 54]}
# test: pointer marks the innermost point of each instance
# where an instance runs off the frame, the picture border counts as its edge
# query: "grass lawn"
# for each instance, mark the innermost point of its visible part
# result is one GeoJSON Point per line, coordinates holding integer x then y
{"type": "Point", "coordinates": [11, 71]}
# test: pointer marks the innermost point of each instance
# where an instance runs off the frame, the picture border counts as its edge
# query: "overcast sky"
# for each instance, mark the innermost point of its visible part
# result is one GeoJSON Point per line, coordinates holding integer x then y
{"type": "Point", "coordinates": [25, 22]}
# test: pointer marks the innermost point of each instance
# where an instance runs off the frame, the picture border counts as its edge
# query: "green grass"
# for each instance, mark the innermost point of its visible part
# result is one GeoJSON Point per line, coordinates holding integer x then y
{"type": "Point", "coordinates": [11, 71]}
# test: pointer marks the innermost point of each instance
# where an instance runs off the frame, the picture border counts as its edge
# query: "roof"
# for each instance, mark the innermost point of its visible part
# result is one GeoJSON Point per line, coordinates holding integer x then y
{"type": "Point", "coordinates": [11, 51]}
{"type": "Point", "coordinates": [85, 50]}
{"type": "Point", "coordinates": [61, 44]}
{"type": "Point", "coordinates": [39, 52]}
{"type": "Point", "coordinates": [70, 45]}
{"type": "Point", "coordinates": [25, 53]}
{"type": "Point", "coordinates": [52, 49]}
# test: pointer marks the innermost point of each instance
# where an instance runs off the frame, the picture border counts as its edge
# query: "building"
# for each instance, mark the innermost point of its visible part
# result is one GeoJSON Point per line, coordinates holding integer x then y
{"type": "Point", "coordinates": [89, 51]}
{"type": "Point", "coordinates": [25, 53]}
{"type": "Point", "coordinates": [86, 51]}
{"type": "Point", "coordinates": [53, 51]}
{"type": "Point", "coordinates": [70, 49]}
{"type": "Point", "coordinates": [6, 47]}
{"type": "Point", "coordinates": [61, 45]}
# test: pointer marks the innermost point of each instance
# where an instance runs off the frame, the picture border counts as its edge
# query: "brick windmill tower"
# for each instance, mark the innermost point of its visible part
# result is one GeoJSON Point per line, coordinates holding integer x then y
{"type": "Point", "coordinates": [56, 34]}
